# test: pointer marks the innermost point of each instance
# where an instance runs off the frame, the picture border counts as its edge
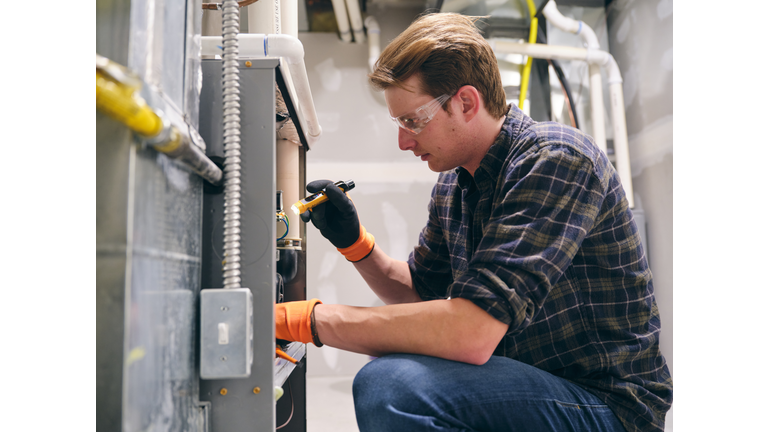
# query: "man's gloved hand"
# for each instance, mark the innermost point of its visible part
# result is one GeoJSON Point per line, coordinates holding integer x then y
{"type": "Point", "coordinates": [338, 222]}
{"type": "Point", "coordinates": [293, 321]}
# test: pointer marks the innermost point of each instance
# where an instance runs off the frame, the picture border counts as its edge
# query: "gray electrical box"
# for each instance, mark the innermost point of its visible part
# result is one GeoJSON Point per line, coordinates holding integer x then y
{"type": "Point", "coordinates": [226, 333]}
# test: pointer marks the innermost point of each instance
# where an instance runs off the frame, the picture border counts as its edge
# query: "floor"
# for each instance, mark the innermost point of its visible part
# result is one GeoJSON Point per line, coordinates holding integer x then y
{"type": "Point", "coordinates": [329, 404]}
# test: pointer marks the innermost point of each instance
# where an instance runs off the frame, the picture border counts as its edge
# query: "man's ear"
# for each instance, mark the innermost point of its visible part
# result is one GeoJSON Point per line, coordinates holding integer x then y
{"type": "Point", "coordinates": [471, 102]}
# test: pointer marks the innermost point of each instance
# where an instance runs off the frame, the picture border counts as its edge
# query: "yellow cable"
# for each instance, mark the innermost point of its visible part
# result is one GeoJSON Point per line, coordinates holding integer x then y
{"type": "Point", "coordinates": [118, 101]}
{"type": "Point", "coordinates": [525, 76]}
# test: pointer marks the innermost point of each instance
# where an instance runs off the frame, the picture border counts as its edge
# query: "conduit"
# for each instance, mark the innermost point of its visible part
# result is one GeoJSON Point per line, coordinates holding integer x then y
{"type": "Point", "coordinates": [116, 96]}
{"type": "Point", "coordinates": [278, 46]}
{"type": "Point", "coordinates": [615, 89]}
{"type": "Point", "coordinates": [230, 27]}
{"type": "Point", "coordinates": [374, 35]}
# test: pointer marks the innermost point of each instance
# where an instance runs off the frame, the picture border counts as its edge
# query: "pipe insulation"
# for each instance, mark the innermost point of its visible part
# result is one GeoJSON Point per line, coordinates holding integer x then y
{"type": "Point", "coordinates": [264, 16]}
{"type": "Point", "coordinates": [356, 18]}
{"type": "Point", "coordinates": [597, 59]}
{"type": "Point", "coordinates": [374, 41]}
{"type": "Point", "coordinates": [232, 169]}
{"type": "Point", "coordinates": [291, 50]}
{"type": "Point", "coordinates": [342, 19]}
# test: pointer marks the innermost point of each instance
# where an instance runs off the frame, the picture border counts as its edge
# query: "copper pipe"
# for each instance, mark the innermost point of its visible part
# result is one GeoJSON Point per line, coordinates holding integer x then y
{"type": "Point", "coordinates": [217, 6]}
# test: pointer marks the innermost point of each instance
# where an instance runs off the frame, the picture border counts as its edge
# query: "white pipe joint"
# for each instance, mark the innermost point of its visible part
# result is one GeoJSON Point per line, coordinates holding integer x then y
{"type": "Point", "coordinates": [291, 50]}
{"type": "Point", "coordinates": [570, 25]}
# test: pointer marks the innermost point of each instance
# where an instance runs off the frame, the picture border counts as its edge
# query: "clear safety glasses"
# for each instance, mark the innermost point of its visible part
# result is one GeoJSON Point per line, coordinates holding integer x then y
{"type": "Point", "coordinates": [414, 122]}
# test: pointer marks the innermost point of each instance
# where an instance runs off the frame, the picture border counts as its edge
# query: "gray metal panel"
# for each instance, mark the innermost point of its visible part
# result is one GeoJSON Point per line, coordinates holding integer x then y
{"type": "Point", "coordinates": [157, 41]}
{"type": "Point", "coordinates": [241, 409]}
{"type": "Point", "coordinates": [193, 78]}
{"type": "Point", "coordinates": [160, 383]}
{"type": "Point", "coordinates": [112, 29]}
{"type": "Point", "coordinates": [113, 142]}
{"type": "Point", "coordinates": [148, 231]}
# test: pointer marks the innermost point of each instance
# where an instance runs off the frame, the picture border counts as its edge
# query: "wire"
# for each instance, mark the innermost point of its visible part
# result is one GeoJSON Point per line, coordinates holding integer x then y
{"type": "Point", "coordinates": [563, 83]}
{"type": "Point", "coordinates": [290, 416]}
{"type": "Point", "coordinates": [284, 219]}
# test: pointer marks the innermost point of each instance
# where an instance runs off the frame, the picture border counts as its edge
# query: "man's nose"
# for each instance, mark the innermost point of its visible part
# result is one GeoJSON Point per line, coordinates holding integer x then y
{"type": "Point", "coordinates": [405, 140]}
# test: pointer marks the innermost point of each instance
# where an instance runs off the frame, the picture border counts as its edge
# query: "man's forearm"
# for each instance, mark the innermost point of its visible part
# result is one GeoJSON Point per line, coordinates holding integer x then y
{"type": "Point", "coordinates": [454, 329]}
{"type": "Point", "coordinates": [389, 278]}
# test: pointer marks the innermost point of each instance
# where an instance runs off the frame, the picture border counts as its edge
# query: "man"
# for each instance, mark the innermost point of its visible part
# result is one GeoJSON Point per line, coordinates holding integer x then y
{"type": "Point", "coordinates": [527, 304]}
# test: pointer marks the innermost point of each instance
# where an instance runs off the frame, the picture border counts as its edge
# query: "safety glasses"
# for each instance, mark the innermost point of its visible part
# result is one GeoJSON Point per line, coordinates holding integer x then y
{"type": "Point", "coordinates": [414, 122]}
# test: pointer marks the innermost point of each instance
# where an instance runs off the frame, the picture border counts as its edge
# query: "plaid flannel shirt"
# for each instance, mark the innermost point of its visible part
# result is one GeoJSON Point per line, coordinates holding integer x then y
{"type": "Point", "coordinates": [542, 238]}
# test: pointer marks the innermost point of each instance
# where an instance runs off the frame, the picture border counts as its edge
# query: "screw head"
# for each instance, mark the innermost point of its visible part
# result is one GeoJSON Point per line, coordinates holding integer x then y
{"type": "Point", "coordinates": [256, 390]}
{"type": "Point", "coordinates": [223, 391]}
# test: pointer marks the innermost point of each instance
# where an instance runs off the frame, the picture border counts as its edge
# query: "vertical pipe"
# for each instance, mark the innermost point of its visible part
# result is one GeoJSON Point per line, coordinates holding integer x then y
{"type": "Point", "coordinates": [620, 141]}
{"type": "Point", "coordinates": [289, 17]}
{"type": "Point", "coordinates": [374, 34]}
{"type": "Point", "coordinates": [598, 113]}
{"type": "Point", "coordinates": [356, 18]}
{"type": "Point", "coordinates": [288, 148]}
{"type": "Point", "coordinates": [264, 17]}
{"type": "Point", "coordinates": [342, 20]}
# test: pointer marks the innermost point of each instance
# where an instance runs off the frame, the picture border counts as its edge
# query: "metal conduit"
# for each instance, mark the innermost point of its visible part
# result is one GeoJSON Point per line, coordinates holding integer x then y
{"type": "Point", "coordinates": [232, 187]}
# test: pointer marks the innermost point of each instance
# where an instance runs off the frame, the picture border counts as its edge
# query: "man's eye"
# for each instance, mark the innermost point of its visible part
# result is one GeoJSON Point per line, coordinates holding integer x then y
{"type": "Point", "coordinates": [408, 121]}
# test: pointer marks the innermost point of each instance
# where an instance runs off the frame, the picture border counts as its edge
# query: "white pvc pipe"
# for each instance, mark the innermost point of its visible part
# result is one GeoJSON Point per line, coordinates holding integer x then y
{"type": "Point", "coordinates": [615, 89]}
{"type": "Point", "coordinates": [598, 113]}
{"type": "Point", "coordinates": [554, 17]}
{"type": "Point", "coordinates": [264, 17]}
{"type": "Point", "coordinates": [570, 25]}
{"type": "Point", "coordinates": [342, 20]}
{"type": "Point", "coordinates": [620, 140]}
{"type": "Point", "coordinates": [289, 49]}
{"type": "Point", "coordinates": [289, 17]}
{"type": "Point", "coordinates": [374, 34]}
{"type": "Point", "coordinates": [356, 18]}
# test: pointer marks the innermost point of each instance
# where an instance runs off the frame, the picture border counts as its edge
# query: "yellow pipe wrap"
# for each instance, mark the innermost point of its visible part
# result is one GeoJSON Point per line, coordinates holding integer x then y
{"type": "Point", "coordinates": [119, 101]}
{"type": "Point", "coordinates": [172, 144]}
{"type": "Point", "coordinates": [526, 75]}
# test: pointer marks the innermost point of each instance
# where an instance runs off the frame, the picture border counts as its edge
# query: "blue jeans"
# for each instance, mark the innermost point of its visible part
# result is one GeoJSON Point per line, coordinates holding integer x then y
{"type": "Point", "coordinates": [406, 392]}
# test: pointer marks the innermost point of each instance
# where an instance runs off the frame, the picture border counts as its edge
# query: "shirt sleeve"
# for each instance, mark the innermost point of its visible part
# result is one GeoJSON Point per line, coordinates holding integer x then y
{"type": "Point", "coordinates": [541, 214]}
{"type": "Point", "coordinates": [429, 262]}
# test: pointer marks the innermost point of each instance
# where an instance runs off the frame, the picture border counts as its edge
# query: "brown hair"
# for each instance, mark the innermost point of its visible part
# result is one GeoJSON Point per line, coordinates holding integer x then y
{"type": "Point", "coordinates": [448, 52]}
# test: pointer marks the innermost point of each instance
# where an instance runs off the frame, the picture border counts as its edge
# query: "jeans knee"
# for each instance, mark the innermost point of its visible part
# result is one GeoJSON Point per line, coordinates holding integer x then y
{"type": "Point", "coordinates": [382, 389]}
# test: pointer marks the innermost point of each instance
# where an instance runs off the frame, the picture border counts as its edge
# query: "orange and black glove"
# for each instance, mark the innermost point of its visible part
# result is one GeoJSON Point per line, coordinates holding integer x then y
{"type": "Point", "coordinates": [338, 222]}
{"type": "Point", "coordinates": [294, 321]}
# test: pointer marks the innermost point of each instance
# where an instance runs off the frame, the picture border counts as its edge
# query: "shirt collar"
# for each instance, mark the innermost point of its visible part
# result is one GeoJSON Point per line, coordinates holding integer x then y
{"type": "Point", "coordinates": [493, 161]}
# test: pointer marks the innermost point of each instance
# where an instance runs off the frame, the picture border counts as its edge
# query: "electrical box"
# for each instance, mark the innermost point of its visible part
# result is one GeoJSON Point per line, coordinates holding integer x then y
{"type": "Point", "coordinates": [226, 333]}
